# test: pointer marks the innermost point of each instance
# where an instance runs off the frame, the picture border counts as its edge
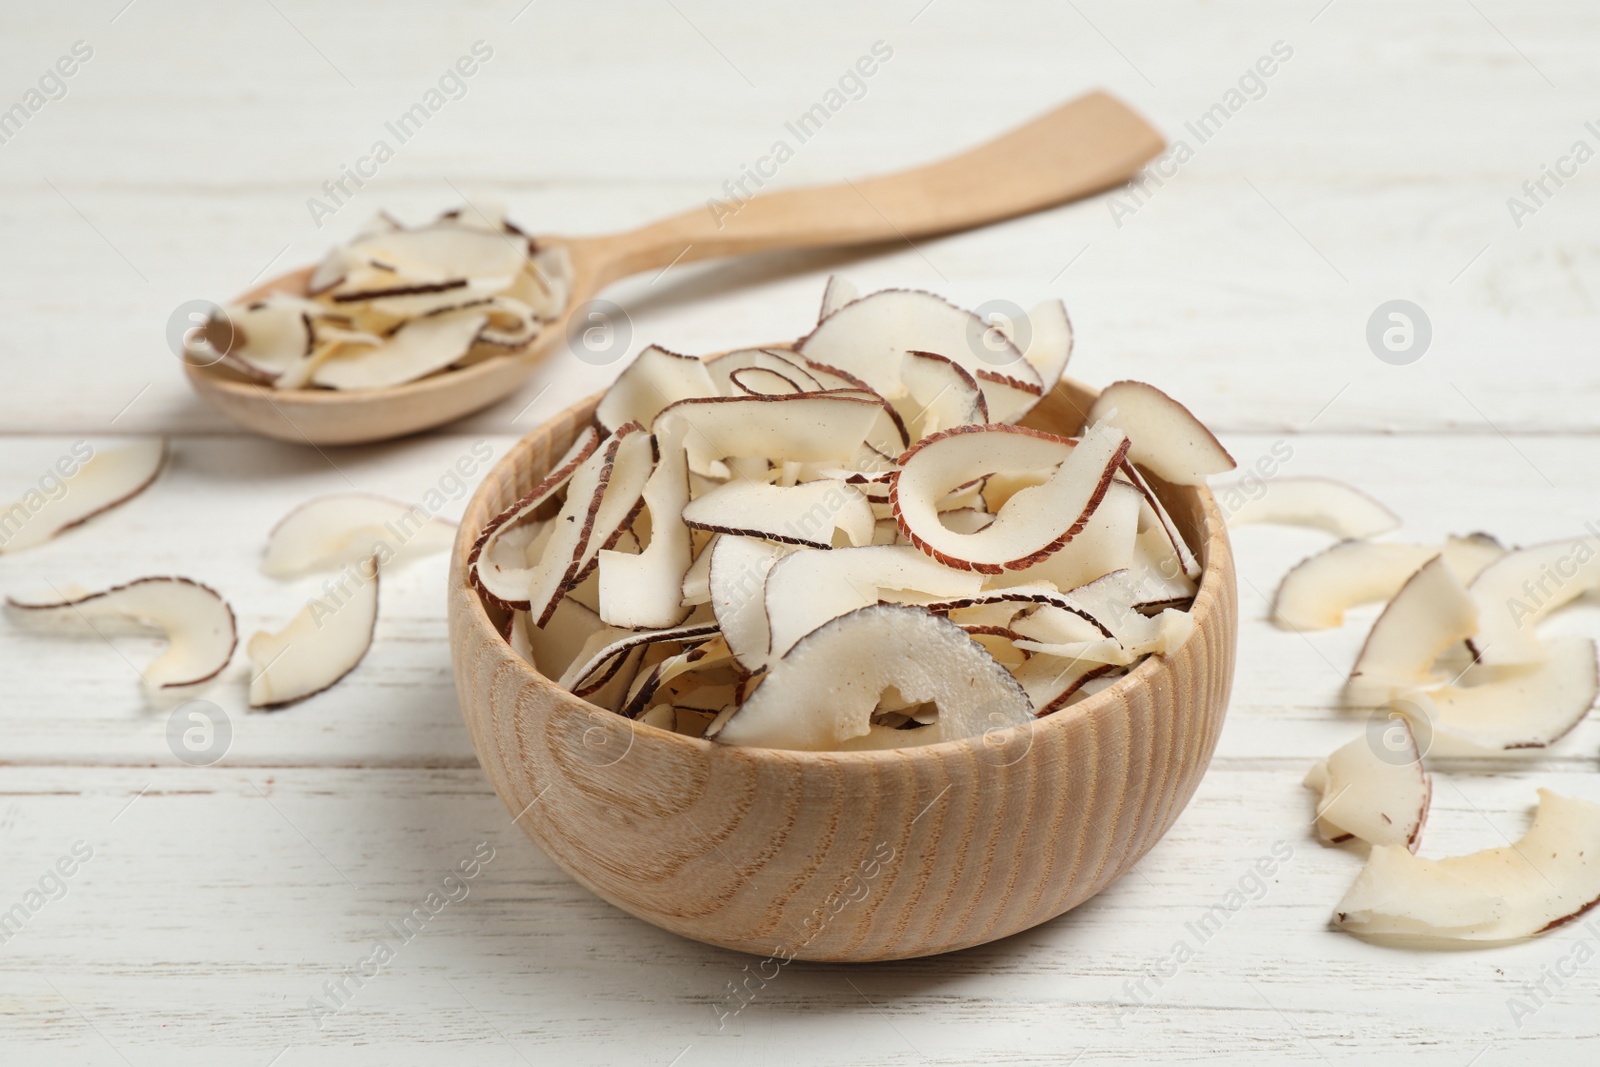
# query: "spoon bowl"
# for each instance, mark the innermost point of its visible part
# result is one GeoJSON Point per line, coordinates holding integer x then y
{"type": "Point", "coordinates": [1083, 147]}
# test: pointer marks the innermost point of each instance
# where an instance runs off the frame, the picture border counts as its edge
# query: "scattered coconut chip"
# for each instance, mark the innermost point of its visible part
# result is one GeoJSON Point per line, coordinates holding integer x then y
{"type": "Point", "coordinates": [805, 427]}
{"type": "Point", "coordinates": [854, 658]}
{"type": "Point", "coordinates": [1430, 613]}
{"type": "Point", "coordinates": [1320, 503]}
{"type": "Point", "coordinates": [1518, 590]}
{"type": "Point", "coordinates": [1167, 439]}
{"type": "Point", "coordinates": [1380, 797]}
{"type": "Point", "coordinates": [197, 623]}
{"type": "Point", "coordinates": [322, 643]}
{"type": "Point", "coordinates": [1315, 594]}
{"type": "Point", "coordinates": [1548, 877]}
{"type": "Point", "coordinates": [1515, 706]}
{"type": "Point", "coordinates": [332, 531]}
{"type": "Point", "coordinates": [105, 480]}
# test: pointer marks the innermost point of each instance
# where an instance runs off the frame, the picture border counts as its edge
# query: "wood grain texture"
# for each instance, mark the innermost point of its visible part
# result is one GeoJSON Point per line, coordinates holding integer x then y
{"type": "Point", "coordinates": [846, 856]}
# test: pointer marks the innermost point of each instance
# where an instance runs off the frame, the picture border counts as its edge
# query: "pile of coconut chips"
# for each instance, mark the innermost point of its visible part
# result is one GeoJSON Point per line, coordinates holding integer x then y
{"type": "Point", "coordinates": [849, 543]}
{"type": "Point", "coordinates": [396, 304]}
{"type": "Point", "coordinates": [1453, 667]}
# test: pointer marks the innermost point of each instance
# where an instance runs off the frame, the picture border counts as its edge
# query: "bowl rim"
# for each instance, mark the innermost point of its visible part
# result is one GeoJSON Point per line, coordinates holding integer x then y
{"type": "Point", "coordinates": [1215, 553]}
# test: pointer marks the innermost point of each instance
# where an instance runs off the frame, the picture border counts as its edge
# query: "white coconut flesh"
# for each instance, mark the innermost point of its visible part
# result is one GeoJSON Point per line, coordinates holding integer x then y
{"type": "Point", "coordinates": [329, 532]}
{"type": "Point", "coordinates": [737, 579]}
{"type": "Point", "coordinates": [645, 589]}
{"type": "Point", "coordinates": [1429, 614]}
{"type": "Point", "coordinates": [418, 348]}
{"type": "Point", "coordinates": [1374, 789]}
{"type": "Point", "coordinates": [320, 645]}
{"type": "Point", "coordinates": [1508, 708]}
{"type": "Point", "coordinates": [810, 514]}
{"type": "Point", "coordinates": [1318, 503]}
{"type": "Point", "coordinates": [825, 690]}
{"type": "Point", "coordinates": [655, 380]}
{"type": "Point", "coordinates": [1547, 877]}
{"type": "Point", "coordinates": [196, 622]}
{"type": "Point", "coordinates": [868, 338]}
{"type": "Point", "coordinates": [1520, 589]}
{"type": "Point", "coordinates": [1319, 590]}
{"type": "Point", "coordinates": [1167, 439]}
{"type": "Point", "coordinates": [503, 559]}
{"type": "Point", "coordinates": [806, 589]}
{"type": "Point", "coordinates": [106, 480]}
{"type": "Point", "coordinates": [836, 294]}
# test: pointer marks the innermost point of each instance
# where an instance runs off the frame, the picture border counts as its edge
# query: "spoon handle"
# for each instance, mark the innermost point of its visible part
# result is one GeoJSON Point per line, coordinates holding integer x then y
{"type": "Point", "coordinates": [1084, 146]}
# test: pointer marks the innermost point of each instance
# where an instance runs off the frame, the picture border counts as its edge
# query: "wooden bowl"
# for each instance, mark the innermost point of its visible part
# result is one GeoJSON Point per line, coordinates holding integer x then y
{"type": "Point", "coordinates": [846, 856]}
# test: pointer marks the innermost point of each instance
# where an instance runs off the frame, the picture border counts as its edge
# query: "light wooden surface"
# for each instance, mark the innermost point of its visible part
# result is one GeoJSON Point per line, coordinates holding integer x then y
{"type": "Point", "coordinates": [815, 856]}
{"type": "Point", "coordinates": [223, 898]}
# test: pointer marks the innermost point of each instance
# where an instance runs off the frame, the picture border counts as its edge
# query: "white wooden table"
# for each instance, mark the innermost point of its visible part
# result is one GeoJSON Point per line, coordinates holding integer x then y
{"type": "Point", "coordinates": [1376, 165]}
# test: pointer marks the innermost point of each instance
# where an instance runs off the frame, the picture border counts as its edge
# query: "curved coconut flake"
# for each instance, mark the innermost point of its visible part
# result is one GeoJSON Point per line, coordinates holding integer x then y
{"type": "Point", "coordinates": [824, 691]}
{"type": "Point", "coordinates": [778, 360]}
{"type": "Point", "coordinates": [697, 579]}
{"type": "Point", "coordinates": [605, 648]}
{"type": "Point", "coordinates": [501, 562]}
{"type": "Point", "coordinates": [653, 382]}
{"type": "Point", "coordinates": [807, 427]}
{"type": "Point", "coordinates": [442, 251]}
{"type": "Point", "coordinates": [512, 323]}
{"type": "Point", "coordinates": [616, 502]}
{"type": "Point", "coordinates": [1316, 593]}
{"type": "Point", "coordinates": [1007, 398]}
{"type": "Point", "coordinates": [673, 673]}
{"type": "Point", "coordinates": [836, 294]}
{"type": "Point", "coordinates": [322, 643]}
{"type": "Point", "coordinates": [940, 394]}
{"type": "Point", "coordinates": [1050, 682]}
{"type": "Point", "coordinates": [1106, 543]}
{"type": "Point", "coordinates": [1381, 798]}
{"type": "Point", "coordinates": [553, 649]}
{"type": "Point", "coordinates": [1320, 503]}
{"type": "Point", "coordinates": [1050, 344]}
{"type": "Point", "coordinates": [261, 340]}
{"type": "Point", "coordinates": [869, 337]}
{"type": "Point", "coordinates": [1548, 877]}
{"type": "Point", "coordinates": [1188, 563]}
{"type": "Point", "coordinates": [1034, 523]}
{"type": "Point", "coordinates": [415, 302]}
{"type": "Point", "coordinates": [807, 589]}
{"type": "Point", "coordinates": [1167, 439]}
{"type": "Point", "coordinates": [417, 349]}
{"type": "Point", "coordinates": [197, 623]}
{"type": "Point", "coordinates": [1524, 586]}
{"type": "Point", "coordinates": [105, 480]}
{"type": "Point", "coordinates": [739, 569]}
{"type": "Point", "coordinates": [1430, 613]}
{"type": "Point", "coordinates": [331, 531]}
{"type": "Point", "coordinates": [762, 381]}
{"type": "Point", "coordinates": [1519, 706]}
{"type": "Point", "coordinates": [646, 590]}
{"type": "Point", "coordinates": [560, 567]}
{"type": "Point", "coordinates": [805, 514]}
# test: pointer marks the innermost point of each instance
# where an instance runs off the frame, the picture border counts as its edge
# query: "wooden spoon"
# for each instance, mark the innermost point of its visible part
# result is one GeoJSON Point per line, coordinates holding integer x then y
{"type": "Point", "coordinates": [1085, 146]}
